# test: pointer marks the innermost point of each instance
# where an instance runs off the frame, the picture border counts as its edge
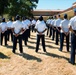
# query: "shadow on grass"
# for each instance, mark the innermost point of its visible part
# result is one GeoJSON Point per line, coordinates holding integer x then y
{"type": "Point", "coordinates": [52, 46]}
{"type": "Point", "coordinates": [32, 38]}
{"type": "Point", "coordinates": [47, 38]}
{"type": "Point", "coordinates": [4, 56]}
{"type": "Point", "coordinates": [54, 55]}
{"type": "Point", "coordinates": [31, 42]}
{"type": "Point", "coordinates": [32, 47]}
{"type": "Point", "coordinates": [49, 42]}
{"type": "Point", "coordinates": [29, 57]}
{"type": "Point", "coordinates": [69, 45]}
{"type": "Point", "coordinates": [9, 46]}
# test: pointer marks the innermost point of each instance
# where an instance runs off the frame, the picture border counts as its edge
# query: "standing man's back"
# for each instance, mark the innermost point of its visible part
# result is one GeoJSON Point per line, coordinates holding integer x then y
{"type": "Point", "coordinates": [40, 28]}
{"type": "Point", "coordinates": [72, 26]}
{"type": "Point", "coordinates": [17, 34]}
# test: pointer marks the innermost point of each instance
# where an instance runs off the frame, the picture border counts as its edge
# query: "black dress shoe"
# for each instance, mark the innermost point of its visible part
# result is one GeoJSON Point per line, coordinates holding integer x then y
{"type": "Point", "coordinates": [45, 51]}
{"type": "Point", "coordinates": [53, 39]}
{"type": "Point", "coordinates": [56, 43]}
{"type": "Point", "coordinates": [60, 50]}
{"type": "Point", "coordinates": [25, 44]}
{"type": "Point", "coordinates": [49, 36]}
{"type": "Point", "coordinates": [68, 51]}
{"type": "Point", "coordinates": [71, 62]}
{"type": "Point", "coordinates": [13, 52]}
{"type": "Point", "coordinates": [36, 51]}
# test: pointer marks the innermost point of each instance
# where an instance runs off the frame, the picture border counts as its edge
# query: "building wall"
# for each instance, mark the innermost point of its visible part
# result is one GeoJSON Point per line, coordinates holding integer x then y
{"type": "Point", "coordinates": [69, 11]}
{"type": "Point", "coordinates": [46, 13]}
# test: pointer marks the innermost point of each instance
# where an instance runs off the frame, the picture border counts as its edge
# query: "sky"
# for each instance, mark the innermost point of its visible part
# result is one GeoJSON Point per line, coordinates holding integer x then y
{"type": "Point", "coordinates": [55, 4]}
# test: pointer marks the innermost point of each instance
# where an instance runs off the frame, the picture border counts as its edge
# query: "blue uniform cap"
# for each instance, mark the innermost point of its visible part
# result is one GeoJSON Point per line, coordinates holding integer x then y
{"type": "Point", "coordinates": [17, 17]}
{"type": "Point", "coordinates": [65, 15]}
{"type": "Point", "coordinates": [74, 9]}
{"type": "Point", "coordinates": [40, 18]}
{"type": "Point", "coordinates": [3, 19]}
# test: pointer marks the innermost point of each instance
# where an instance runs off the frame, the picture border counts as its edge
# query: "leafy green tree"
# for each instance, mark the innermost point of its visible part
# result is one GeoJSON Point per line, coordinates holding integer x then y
{"type": "Point", "coordinates": [3, 6]}
{"type": "Point", "coordinates": [21, 7]}
{"type": "Point", "coordinates": [34, 1]}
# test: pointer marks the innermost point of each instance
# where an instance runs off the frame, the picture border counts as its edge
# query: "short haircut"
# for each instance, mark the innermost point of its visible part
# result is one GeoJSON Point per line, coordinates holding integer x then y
{"type": "Point", "coordinates": [17, 17]}
{"type": "Point", "coordinates": [65, 16]}
{"type": "Point", "coordinates": [40, 18]}
{"type": "Point", "coordinates": [75, 10]}
{"type": "Point", "coordinates": [3, 19]}
{"type": "Point", "coordinates": [59, 15]}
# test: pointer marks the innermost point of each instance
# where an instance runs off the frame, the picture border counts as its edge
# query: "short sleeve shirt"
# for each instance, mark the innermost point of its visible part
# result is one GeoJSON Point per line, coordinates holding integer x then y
{"type": "Point", "coordinates": [72, 23]}
{"type": "Point", "coordinates": [25, 26]}
{"type": "Point", "coordinates": [53, 22]}
{"type": "Point", "coordinates": [17, 25]}
{"type": "Point", "coordinates": [33, 22]}
{"type": "Point", "coordinates": [64, 25]}
{"type": "Point", "coordinates": [9, 24]}
{"type": "Point", "coordinates": [3, 26]}
{"type": "Point", "coordinates": [48, 21]}
{"type": "Point", "coordinates": [57, 22]}
{"type": "Point", "coordinates": [40, 26]}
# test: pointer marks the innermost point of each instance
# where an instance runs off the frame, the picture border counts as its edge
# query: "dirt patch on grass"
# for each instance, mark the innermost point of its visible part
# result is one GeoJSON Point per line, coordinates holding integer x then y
{"type": "Point", "coordinates": [53, 62]}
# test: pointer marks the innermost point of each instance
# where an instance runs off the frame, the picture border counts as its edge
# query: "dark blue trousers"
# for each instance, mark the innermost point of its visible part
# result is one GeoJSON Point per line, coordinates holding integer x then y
{"type": "Point", "coordinates": [73, 47]}
{"type": "Point", "coordinates": [57, 36]}
{"type": "Point", "coordinates": [29, 31]}
{"type": "Point", "coordinates": [62, 35]}
{"type": "Point", "coordinates": [9, 33]}
{"type": "Point", "coordinates": [4, 35]}
{"type": "Point", "coordinates": [48, 29]}
{"type": "Point", "coordinates": [19, 38]}
{"type": "Point", "coordinates": [42, 37]}
{"type": "Point", "coordinates": [53, 34]}
{"type": "Point", "coordinates": [50, 34]}
{"type": "Point", "coordinates": [33, 26]}
{"type": "Point", "coordinates": [25, 37]}
{"type": "Point", "coordinates": [27, 34]}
